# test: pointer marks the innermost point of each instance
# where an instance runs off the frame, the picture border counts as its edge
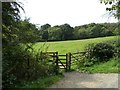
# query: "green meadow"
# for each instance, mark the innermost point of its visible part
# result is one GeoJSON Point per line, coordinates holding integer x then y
{"type": "Point", "coordinates": [64, 47]}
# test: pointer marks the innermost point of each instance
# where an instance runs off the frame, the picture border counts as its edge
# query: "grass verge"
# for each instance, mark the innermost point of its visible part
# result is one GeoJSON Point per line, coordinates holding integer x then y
{"type": "Point", "coordinates": [111, 66]}
{"type": "Point", "coordinates": [41, 83]}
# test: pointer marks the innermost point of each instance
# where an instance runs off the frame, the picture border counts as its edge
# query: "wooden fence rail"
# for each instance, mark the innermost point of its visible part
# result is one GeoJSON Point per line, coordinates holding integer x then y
{"type": "Point", "coordinates": [63, 61]}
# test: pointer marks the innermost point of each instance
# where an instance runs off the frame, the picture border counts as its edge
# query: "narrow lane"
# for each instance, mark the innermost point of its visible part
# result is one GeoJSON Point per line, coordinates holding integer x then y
{"type": "Point", "coordinates": [83, 80]}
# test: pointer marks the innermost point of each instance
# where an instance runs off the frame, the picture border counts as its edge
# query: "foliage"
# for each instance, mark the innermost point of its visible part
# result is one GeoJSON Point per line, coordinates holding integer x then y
{"type": "Point", "coordinates": [66, 32]}
{"type": "Point", "coordinates": [88, 58]}
{"type": "Point", "coordinates": [96, 53]}
{"type": "Point", "coordinates": [115, 43]}
{"type": "Point", "coordinates": [11, 69]}
{"type": "Point", "coordinates": [20, 61]}
{"type": "Point", "coordinates": [11, 13]}
{"type": "Point", "coordinates": [103, 51]}
{"type": "Point", "coordinates": [30, 63]}
{"type": "Point", "coordinates": [44, 31]}
{"type": "Point", "coordinates": [28, 32]}
{"type": "Point", "coordinates": [62, 32]}
{"type": "Point", "coordinates": [55, 33]}
{"type": "Point", "coordinates": [114, 7]}
{"type": "Point", "coordinates": [41, 83]}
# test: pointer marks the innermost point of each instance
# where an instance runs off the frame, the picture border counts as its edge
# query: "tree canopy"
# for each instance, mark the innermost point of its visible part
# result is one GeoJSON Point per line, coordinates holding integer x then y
{"type": "Point", "coordinates": [66, 32]}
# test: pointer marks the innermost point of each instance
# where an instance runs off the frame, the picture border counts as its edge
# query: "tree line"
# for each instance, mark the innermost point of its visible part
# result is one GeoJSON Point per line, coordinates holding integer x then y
{"type": "Point", "coordinates": [66, 32]}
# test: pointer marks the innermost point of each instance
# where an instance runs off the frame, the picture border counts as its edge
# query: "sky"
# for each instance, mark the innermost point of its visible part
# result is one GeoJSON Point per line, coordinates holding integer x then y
{"type": "Point", "coordinates": [73, 12]}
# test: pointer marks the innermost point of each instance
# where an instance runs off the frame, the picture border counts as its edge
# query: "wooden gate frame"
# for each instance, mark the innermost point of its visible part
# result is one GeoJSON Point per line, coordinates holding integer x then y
{"type": "Point", "coordinates": [68, 59]}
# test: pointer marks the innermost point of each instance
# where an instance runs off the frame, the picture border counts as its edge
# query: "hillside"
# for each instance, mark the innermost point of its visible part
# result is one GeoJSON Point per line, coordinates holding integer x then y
{"type": "Point", "coordinates": [70, 46]}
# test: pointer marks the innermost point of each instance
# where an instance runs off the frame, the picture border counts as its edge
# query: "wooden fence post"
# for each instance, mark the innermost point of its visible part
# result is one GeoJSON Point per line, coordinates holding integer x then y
{"type": "Point", "coordinates": [69, 61]}
{"type": "Point", "coordinates": [66, 61]}
{"type": "Point", "coordinates": [54, 57]}
{"type": "Point", "coordinates": [57, 67]}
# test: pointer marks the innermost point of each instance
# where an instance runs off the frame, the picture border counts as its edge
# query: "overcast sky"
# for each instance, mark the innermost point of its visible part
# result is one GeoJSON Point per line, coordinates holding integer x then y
{"type": "Point", "coordinates": [73, 12]}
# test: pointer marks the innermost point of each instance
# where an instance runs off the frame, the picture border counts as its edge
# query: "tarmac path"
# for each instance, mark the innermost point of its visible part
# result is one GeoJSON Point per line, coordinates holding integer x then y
{"type": "Point", "coordinates": [83, 80]}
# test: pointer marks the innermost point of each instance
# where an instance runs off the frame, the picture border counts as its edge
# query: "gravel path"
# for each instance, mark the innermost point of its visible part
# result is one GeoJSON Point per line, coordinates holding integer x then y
{"type": "Point", "coordinates": [83, 80]}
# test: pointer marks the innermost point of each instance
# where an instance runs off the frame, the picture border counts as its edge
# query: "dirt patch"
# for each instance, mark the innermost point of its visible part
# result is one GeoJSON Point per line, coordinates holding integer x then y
{"type": "Point", "coordinates": [82, 80]}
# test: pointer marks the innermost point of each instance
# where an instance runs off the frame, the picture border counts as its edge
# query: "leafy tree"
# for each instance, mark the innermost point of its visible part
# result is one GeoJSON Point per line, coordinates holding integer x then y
{"type": "Point", "coordinates": [55, 33]}
{"type": "Point", "coordinates": [44, 31]}
{"type": "Point", "coordinates": [28, 32]}
{"type": "Point", "coordinates": [67, 32]}
{"type": "Point", "coordinates": [116, 31]}
{"type": "Point", "coordinates": [82, 33]}
{"type": "Point", "coordinates": [17, 37]}
{"type": "Point", "coordinates": [96, 31]}
{"type": "Point", "coordinates": [16, 31]}
{"type": "Point", "coordinates": [75, 33]}
{"type": "Point", "coordinates": [10, 18]}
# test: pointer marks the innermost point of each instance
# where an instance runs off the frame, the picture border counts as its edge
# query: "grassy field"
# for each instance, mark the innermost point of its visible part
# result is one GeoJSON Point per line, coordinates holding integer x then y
{"type": "Point", "coordinates": [64, 47]}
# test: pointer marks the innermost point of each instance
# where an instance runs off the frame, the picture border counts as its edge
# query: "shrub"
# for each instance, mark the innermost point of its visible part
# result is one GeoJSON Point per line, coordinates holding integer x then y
{"type": "Point", "coordinates": [17, 68]}
{"type": "Point", "coordinates": [88, 59]}
{"type": "Point", "coordinates": [103, 51]}
{"type": "Point", "coordinates": [95, 53]}
{"type": "Point", "coordinates": [116, 44]}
